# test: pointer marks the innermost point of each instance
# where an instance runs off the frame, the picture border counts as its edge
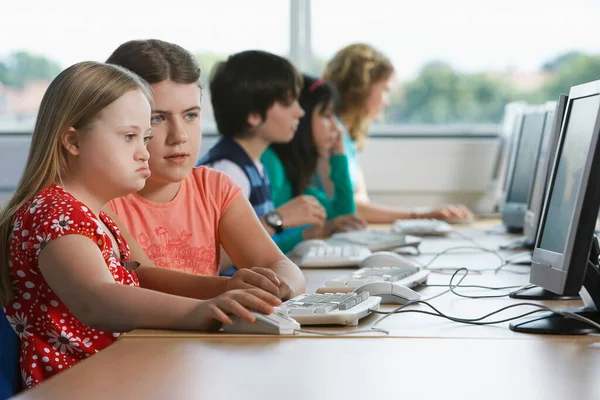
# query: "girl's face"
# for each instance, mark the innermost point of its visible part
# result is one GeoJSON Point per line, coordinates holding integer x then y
{"type": "Point", "coordinates": [111, 153]}
{"type": "Point", "coordinates": [325, 129]}
{"type": "Point", "coordinates": [379, 96]}
{"type": "Point", "coordinates": [177, 131]}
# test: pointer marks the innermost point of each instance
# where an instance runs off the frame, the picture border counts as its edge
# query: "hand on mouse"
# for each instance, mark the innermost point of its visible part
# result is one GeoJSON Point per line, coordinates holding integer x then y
{"type": "Point", "coordinates": [235, 302]}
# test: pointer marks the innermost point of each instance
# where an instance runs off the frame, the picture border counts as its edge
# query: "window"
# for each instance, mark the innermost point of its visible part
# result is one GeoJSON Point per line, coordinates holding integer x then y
{"type": "Point", "coordinates": [46, 37]}
{"type": "Point", "coordinates": [461, 61]}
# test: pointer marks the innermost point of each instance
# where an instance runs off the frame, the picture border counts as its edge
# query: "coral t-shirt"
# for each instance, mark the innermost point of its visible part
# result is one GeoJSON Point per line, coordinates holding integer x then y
{"type": "Point", "coordinates": [52, 338]}
{"type": "Point", "coordinates": [182, 234]}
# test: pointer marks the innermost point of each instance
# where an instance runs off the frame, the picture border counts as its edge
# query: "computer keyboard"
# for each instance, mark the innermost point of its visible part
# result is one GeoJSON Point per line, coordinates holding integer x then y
{"type": "Point", "coordinates": [375, 240]}
{"type": "Point", "coordinates": [329, 308]}
{"type": "Point", "coordinates": [334, 256]}
{"type": "Point", "coordinates": [405, 276]}
{"type": "Point", "coordinates": [422, 227]}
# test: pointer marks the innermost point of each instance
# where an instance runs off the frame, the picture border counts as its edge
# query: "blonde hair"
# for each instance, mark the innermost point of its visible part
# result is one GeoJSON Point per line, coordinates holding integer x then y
{"type": "Point", "coordinates": [75, 98]}
{"type": "Point", "coordinates": [354, 70]}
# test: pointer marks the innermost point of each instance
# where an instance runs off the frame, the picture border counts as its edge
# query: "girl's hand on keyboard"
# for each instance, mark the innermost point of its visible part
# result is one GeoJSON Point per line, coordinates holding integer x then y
{"type": "Point", "coordinates": [247, 278]}
{"type": "Point", "coordinates": [285, 292]}
{"type": "Point", "coordinates": [302, 210]}
{"type": "Point", "coordinates": [456, 212]}
{"type": "Point", "coordinates": [343, 223]}
{"type": "Point", "coordinates": [237, 302]}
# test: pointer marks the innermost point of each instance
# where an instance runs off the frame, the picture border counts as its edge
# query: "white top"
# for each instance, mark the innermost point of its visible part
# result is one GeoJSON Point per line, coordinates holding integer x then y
{"type": "Point", "coordinates": [237, 174]}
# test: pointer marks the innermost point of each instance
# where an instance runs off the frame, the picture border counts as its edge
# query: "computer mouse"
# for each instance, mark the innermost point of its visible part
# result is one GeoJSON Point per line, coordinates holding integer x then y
{"type": "Point", "coordinates": [273, 324]}
{"type": "Point", "coordinates": [390, 292]}
{"type": "Point", "coordinates": [387, 259]}
{"type": "Point", "coordinates": [302, 248]}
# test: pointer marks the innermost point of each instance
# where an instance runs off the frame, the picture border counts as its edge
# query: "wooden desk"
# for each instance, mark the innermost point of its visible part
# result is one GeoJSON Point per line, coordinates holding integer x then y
{"type": "Point", "coordinates": [276, 368]}
{"type": "Point", "coordinates": [424, 357]}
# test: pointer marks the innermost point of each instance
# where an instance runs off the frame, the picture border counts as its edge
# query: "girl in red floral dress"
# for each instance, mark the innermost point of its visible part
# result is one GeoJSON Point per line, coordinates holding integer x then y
{"type": "Point", "coordinates": [67, 284]}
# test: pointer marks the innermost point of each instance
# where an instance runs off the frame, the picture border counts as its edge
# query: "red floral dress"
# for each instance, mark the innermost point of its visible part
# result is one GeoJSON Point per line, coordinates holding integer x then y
{"type": "Point", "coordinates": [52, 339]}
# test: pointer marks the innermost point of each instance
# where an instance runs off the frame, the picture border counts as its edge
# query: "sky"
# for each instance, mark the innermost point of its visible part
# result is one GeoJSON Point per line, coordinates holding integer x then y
{"type": "Point", "coordinates": [472, 35]}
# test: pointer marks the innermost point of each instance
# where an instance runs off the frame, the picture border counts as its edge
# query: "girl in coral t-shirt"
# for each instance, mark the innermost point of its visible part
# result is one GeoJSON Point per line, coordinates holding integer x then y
{"type": "Point", "coordinates": [183, 215]}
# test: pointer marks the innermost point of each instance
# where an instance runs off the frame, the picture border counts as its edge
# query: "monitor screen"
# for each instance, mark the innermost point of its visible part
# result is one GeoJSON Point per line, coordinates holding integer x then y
{"type": "Point", "coordinates": [526, 158]}
{"type": "Point", "coordinates": [572, 158]}
{"type": "Point", "coordinates": [538, 192]}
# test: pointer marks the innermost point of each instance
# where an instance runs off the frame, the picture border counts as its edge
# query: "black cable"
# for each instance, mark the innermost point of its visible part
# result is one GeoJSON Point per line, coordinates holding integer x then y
{"type": "Point", "coordinates": [470, 321]}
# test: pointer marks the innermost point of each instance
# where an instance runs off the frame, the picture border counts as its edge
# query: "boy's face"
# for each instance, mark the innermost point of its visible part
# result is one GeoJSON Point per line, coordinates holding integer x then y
{"type": "Point", "coordinates": [177, 131]}
{"type": "Point", "coordinates": [280, 123]}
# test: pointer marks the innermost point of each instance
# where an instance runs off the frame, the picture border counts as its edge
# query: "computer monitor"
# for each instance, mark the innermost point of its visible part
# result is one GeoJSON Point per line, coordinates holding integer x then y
{"type": "Point", "coordinates": [511, 121]}
{"type": "Point", "coordinates": [562, 261]}
{"type": "Point", "coordinates": [539, 186]}
{"type": "Point", "coordinates": [520, 177]}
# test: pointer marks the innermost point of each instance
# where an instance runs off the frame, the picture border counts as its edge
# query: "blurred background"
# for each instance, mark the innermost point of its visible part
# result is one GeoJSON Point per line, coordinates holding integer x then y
{"type": "Point", "coordinates": [458, 64]}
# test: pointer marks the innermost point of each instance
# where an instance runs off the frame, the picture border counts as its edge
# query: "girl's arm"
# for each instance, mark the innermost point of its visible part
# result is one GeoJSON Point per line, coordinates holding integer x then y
{"type": "Point", "coordinates": [74, 268]}
{"type": "Point", "coordinates": [248, 245]}
{"type": "Point", "coordinates": [182, 284]}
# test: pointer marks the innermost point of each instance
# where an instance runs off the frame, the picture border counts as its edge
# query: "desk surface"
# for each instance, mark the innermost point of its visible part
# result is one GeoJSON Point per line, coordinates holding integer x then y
{"type": "Point", "coordinates": [423, 357]}
{"type": "Point", "coordinates": [280, 368]}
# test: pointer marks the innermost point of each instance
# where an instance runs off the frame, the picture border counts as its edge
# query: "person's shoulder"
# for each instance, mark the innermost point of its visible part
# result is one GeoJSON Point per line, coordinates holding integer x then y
{"type": "Point", "coordinates": [210, 177]}
{"type": "Point", "coordinates": [54, 209]}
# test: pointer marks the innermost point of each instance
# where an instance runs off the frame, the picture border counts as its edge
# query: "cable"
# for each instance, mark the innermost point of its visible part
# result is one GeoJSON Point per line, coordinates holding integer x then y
{"type": "Point", "coordinates": [479, 321]}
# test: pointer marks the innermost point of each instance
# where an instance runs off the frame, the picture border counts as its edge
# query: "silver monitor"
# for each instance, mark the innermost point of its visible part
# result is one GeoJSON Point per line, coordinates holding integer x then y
{"type": "Point", "coordinates": [552, 124]}
{"type": "Point", "coordinates": [565, 256]}
{"type": "Point", "coordinates": [511, 121]}
{"type": "Point", "coordinates": [520, 175]}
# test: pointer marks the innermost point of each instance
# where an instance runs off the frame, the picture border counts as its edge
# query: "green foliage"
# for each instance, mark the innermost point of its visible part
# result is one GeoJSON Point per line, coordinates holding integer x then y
{"type": "Point", "coordinates": [442, 95]}
{"type": "Point", "coordinates": [22, 67]}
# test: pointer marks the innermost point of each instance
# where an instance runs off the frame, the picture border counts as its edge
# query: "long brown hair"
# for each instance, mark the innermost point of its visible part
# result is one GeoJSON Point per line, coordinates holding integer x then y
{"type": "Point", "coordinates": [354, 70]}
{"type": "Point", "coordinates": [75, 99]}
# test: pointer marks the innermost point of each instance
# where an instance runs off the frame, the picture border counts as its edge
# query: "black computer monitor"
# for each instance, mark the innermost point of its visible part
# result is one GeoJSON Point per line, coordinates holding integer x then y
{"type": "Point", "coordinates": [511, 122]}
{"type": "Point", "coordinates": [523, 163]}
{"type": "Point", "coordinates": [562, 261]}
{"type": "Point", "coordinates": [539, 186]}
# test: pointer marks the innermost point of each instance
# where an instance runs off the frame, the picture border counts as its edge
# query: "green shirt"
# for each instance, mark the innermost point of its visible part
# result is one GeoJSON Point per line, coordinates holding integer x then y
{"type": "Point", "coordinates": [342, 202]}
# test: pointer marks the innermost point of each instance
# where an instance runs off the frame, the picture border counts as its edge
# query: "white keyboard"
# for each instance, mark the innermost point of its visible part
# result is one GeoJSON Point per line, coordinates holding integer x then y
{"type": "Point", "coordinates": [334, 256]}
{"type": "Point", "coordinates": [329, 309]}
{"type": "Point", "coordinates": [405, 276]}
{"type": "Point", "coordinates": [376, 240]}
{"type": "Point", "coordinates": [422, 227]}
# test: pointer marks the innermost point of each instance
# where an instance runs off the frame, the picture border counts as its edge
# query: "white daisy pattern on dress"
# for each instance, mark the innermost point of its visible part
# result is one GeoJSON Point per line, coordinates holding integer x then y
{"type": "Point", "coordinates": [35, 205]}
{"type": "Point", "coordinates": [42, 241]}
{"type": "Point", "coordinates": [63, 223]}
{"type": "Point", "coordinates": [20, 325]}
{"type": "Point", "coordinates": [50, 335]}
{"type": "Point", "coordinates": [63, 341]}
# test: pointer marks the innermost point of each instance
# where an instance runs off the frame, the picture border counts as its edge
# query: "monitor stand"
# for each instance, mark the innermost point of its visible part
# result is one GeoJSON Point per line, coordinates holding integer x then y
{"type": "Point", "coordinates": [553, 324]}
{"type": "Point", "coordinates": [538, 293]}
{"type": "Point", "coordinates": [520, 244]}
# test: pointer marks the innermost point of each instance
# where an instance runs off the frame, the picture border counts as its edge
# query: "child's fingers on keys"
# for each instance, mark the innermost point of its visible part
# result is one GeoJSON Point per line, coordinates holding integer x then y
{"type": "Point", "coordinates": [261, 298]}
{"type": "Point", "coordinates": [261, 281]}
{"type": "Point", "coordinates": [268, 273]}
